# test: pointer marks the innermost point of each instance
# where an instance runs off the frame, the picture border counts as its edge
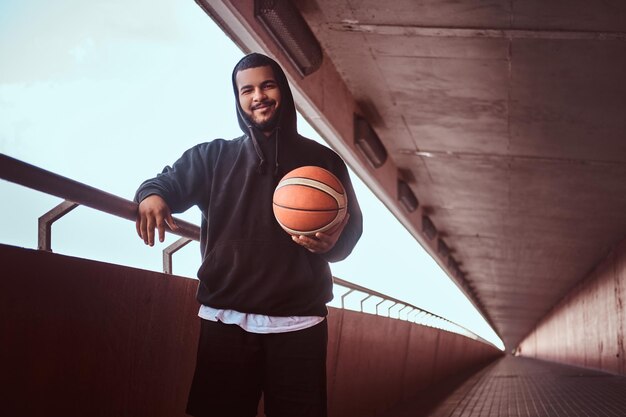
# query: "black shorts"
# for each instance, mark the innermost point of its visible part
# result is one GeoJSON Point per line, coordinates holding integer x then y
{"type": "Point", "coordinates": [234, 367]}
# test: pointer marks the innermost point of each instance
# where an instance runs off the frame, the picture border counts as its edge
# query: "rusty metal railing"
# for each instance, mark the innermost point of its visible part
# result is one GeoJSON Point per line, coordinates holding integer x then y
{"type": "Point", "coordinates": [76, 193]}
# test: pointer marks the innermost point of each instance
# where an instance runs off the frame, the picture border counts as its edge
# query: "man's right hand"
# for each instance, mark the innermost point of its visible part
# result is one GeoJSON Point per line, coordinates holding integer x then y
{"type": "Point", "coordinates": [153, 212]}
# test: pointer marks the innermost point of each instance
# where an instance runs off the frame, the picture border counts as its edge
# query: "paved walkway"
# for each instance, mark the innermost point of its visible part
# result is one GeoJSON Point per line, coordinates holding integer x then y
{"type": "Point", "coordinates": [522, 387]}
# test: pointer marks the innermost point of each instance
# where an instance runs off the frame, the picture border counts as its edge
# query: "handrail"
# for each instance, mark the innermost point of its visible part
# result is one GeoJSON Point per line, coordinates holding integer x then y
{"type": "Point", "coordinates": [39, 179]}
{"type": "Point", "coordinates": [451, 326]}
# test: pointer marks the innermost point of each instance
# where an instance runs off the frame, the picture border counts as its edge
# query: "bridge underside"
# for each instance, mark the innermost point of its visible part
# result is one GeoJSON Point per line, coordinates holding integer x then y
{"type": "Point", "coordinates": [507, 121]}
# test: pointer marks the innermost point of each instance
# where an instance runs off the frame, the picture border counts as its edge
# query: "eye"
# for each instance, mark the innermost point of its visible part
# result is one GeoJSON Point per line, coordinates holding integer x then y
{"type": "Point", "coordinates": [269, 85]}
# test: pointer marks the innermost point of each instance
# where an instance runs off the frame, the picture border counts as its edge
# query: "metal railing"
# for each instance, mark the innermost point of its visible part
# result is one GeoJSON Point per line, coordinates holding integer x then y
{"type": "Point", "coordinates": [414, 314]}
{"type": "Point", "coordinates": [76, 193]}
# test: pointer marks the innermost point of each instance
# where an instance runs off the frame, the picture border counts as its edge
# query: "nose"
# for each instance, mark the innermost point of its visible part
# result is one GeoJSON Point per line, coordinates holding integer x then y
{"type": "Point", "coordinates": [259, 94]}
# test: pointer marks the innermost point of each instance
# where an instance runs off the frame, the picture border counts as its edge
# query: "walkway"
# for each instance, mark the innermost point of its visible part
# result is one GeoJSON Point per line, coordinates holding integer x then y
{"type": "Point", "coordinates": [522, 387]}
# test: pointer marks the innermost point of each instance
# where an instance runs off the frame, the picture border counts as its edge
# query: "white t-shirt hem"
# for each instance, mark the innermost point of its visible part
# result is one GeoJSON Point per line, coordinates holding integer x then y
{"type": "Point", "coordinates": [258, 323]}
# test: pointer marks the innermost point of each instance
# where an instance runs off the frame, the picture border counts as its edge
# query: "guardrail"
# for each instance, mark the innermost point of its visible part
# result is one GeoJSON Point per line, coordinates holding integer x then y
{"type": "Point", "coordinates": [76, 193]}
{"type": "Point", "coordinates": [381, 302]}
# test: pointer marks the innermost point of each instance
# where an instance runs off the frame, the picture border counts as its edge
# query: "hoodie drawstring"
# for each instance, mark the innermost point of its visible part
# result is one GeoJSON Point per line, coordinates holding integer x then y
{"type": "Point", "coordinates": [259, 152]}
{"type": "Point", "coordinates": [276, 154]}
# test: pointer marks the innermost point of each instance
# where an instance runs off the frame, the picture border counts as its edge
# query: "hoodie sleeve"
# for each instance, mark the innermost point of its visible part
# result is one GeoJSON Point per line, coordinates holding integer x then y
{"type": "Point", "coordinates": [353, 230]}
{"type": "Point", "coordinates": [182, 185]}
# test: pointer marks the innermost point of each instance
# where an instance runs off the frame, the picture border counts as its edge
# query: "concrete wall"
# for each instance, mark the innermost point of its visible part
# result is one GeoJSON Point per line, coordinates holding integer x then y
{"type": "Point", "coordinates": [587, 328]}
{"type": "Point", "coordinates": [85, 338]}
{"type": "Point", "coordinates": [376, 362]}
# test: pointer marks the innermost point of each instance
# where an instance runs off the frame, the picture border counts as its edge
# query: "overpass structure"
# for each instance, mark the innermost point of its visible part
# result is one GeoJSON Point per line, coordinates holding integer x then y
{"type": "Point", "coordinates": [494, 131]}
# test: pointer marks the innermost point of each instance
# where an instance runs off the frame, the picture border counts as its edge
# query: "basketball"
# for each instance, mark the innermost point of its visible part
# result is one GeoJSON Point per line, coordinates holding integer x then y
{"type": "Point", "coordinates": [308, 200]}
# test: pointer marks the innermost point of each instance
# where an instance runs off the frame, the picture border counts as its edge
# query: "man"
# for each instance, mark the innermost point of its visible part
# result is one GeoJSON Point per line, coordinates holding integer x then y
{"type": "Point", "coordinates": [263, 293]}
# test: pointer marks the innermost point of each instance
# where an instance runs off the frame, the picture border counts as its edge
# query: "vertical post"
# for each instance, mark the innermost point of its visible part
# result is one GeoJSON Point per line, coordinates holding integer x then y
{"type": "Point", "coordinates": [390, 307]}
{"type": "Point", "coordinates": [344, 296]}
{"type": "Point", "coordinates": [169, 251]}
{"type": "Point", "coordinates": [402, 309]}
{"type": "Point", "coordinates": [44, 238]}
{"type": "Point", "coordinates": [364, 300]}
{"type": "Point", "coordinates": [382, 301]}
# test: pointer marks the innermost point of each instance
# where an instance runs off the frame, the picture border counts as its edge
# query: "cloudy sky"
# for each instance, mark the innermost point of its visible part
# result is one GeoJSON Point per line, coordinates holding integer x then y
{"type": "Point", "coordinates": [108, 93]}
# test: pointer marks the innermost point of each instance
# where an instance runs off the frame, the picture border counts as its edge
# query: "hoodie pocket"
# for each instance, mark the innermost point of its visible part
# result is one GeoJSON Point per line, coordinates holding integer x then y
{"type": "Point", "coordinates": [262, 276]}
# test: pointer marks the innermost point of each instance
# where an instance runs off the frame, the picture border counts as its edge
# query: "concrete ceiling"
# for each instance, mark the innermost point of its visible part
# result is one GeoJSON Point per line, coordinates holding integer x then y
{"type": "Point", "coordinates": [508, 118]}
{"type": "Point", "coordinates": [511, 118]}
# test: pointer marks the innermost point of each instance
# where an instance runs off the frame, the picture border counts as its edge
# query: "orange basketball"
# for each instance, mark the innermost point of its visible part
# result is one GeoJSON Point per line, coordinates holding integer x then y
{"type": "Point", "coordinates": [308, 200]}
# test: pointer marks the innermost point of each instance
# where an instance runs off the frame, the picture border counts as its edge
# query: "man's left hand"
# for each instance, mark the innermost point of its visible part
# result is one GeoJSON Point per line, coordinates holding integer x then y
{"type": "Point", "coordinates": [322, 242]}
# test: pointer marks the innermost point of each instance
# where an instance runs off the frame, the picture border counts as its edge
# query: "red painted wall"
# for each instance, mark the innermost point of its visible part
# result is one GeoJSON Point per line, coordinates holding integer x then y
{"type": "Point", "coordinates": [588, 326]}
{"type": "Point", "coordinates": [85, 338]}
{"type": "Point", "coordinates": [377, 362]}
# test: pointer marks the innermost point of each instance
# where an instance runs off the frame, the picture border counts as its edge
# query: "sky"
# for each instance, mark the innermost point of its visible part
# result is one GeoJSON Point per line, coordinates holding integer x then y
{"type": "Point", "coordinates": [108, 93]}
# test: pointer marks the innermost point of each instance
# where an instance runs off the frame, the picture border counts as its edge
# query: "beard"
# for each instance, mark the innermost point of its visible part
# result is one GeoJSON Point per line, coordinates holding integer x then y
{"type": "Point", "coordinates": [269, 124]}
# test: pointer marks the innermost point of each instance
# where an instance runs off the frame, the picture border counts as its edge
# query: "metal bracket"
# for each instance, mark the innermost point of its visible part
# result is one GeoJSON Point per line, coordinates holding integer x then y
{"type": "Point", "coordinates": [382, 301]}
{"type": "Point", "coordinates": [402, 309]}
{"type": "Point", "coordinates": [414, 311]}
{"type": "Point", "coordinates": [390, 307]}
{"type": "Point", "coordinates": [343, 297]}
{"type": "Point", "coordinates": [364, 300]}
{"type": "Point", "coordinates": [169, 251]}
{"type": "Point", "coordinates": [44, 235]}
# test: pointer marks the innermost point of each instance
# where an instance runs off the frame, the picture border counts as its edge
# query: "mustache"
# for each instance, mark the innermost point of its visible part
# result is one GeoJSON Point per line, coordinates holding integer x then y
{"type": "Point", "coordinates": [264, 103]}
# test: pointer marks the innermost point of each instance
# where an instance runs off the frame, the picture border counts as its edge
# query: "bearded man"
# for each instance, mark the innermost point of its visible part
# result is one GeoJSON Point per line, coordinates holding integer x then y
{"type": "Point", "coordinates": [263, 293]}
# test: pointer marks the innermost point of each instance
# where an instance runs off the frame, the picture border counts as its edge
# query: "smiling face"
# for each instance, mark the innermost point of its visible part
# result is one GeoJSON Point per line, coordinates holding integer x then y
{"type": "Point", "coordinates": [259, 96]}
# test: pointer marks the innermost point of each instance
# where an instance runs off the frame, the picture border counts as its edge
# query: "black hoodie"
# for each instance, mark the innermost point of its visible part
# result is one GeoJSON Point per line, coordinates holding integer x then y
{"type": "Point", "coordinates": [249, 264]}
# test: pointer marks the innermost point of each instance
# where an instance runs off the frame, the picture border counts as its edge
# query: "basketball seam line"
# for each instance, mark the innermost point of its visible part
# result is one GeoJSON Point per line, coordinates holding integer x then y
{"type": "Point", "coordinates": [306, 182]}
{"type": "Point", "coordinates": [330, 225]}
{"type": "Point", "coordinates": [317, 181]}
{"type": "Point", "coordinates": [301, 209]}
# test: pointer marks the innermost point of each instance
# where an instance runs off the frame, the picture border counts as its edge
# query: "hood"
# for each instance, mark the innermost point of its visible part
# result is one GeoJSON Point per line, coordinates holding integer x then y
{"type": "Point", "coordinates": [287, 110]}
